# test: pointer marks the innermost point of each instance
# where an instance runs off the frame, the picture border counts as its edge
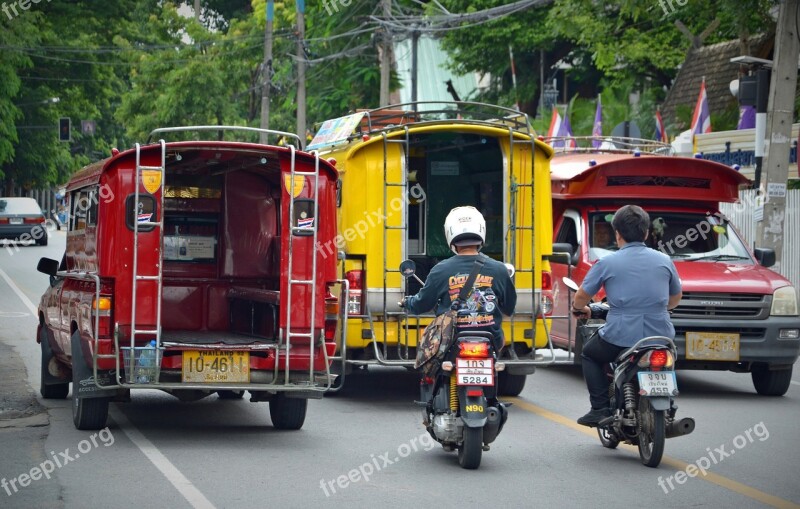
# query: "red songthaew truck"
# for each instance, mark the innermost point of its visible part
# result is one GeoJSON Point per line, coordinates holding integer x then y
{"type": "Point", "coordinates": [191, 267]}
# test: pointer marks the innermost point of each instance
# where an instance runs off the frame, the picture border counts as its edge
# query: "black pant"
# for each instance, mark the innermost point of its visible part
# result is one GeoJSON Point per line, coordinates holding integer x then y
{"type": "Point", "coordinates": [597, 353]}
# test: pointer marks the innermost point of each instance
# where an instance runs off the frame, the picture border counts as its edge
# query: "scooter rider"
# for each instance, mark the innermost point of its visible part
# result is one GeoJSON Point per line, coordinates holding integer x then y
{"type": "Point", "coordinates": [641, 285]}
{"type": "Point", "coordinates": [494, 293]}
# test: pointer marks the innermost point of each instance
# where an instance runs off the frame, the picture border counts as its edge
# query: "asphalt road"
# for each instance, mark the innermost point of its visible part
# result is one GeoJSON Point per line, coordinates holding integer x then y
{"type": "Point", "coordinates": [367, 447]}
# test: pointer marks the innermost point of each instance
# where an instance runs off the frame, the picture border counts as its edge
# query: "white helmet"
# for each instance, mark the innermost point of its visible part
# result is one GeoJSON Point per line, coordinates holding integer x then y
{"type": "Point", "coordinates": [464, 226]}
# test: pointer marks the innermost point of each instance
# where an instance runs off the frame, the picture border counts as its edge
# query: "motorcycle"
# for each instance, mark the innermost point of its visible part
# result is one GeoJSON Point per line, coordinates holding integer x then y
{"type": "Point", "coordinates": [458, 392]}
{"type": "Point", "coordinates": [643, 387]}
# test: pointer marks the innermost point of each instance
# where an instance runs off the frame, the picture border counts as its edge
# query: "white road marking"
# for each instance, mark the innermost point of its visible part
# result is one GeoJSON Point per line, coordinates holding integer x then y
{"type": "Point", "coordinates": [184, 486]}
{"type": "Point", "coordinates": [24, 298]}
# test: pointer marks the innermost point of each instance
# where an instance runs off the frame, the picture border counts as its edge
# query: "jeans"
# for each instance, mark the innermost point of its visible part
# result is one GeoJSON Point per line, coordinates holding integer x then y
{"type": "Point", "coordinates": [597, 353]}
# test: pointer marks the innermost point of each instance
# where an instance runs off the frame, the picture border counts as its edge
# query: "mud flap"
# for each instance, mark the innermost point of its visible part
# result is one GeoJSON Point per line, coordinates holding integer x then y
{"type": "Point", "coordinates": [659, 403]}
{"type": "Point", "coordinates": [84, 384]}
{"type": "Point", "coordinates": [473, 408]}
{"type": "Point", "coordinates": [47, 359]}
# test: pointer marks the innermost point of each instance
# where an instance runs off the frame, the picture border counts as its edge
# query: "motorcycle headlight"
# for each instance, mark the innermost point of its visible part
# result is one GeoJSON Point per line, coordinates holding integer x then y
{"type": "Point", "coordinates": [784, 302]}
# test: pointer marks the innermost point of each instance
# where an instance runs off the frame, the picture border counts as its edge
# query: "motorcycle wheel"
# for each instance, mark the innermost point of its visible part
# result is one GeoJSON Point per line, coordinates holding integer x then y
{"type": "Point", "coordinates": [607, 438]}
{"type": "Point", "coordinates": [652, 433]}
{"type": "Point", "coordinates": [469, 452]}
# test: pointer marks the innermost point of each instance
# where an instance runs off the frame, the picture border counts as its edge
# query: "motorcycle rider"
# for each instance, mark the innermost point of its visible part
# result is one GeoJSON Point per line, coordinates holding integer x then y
{"type": "Point", "coordinates": [641, 285]}
{"type": "Point", "coordinates": [494, 294]}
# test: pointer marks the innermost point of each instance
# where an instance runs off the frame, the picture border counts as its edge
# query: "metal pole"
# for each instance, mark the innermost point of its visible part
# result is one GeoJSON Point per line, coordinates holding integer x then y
{"type": "Point", "coordinates": [386, 55]}
{"type": "Point", "coordinates": [779, 130]}
{"type": "Point", "coordinates": [301, 73]}
{"type": "Point", "coordinates": [414, 44]}
{"type": "Point", "coordinates": [762, 99]}
{"type": "Point", "coordinates": [197, 9]}
{"type": "Point", "coordinates": [266, 71]}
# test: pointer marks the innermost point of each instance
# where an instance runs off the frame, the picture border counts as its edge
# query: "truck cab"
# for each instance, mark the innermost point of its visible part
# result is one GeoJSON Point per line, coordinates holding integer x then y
{"type": "Point", "coordinates": [735, 314]}
{"type": "Point", "coordinates": [191, 267]}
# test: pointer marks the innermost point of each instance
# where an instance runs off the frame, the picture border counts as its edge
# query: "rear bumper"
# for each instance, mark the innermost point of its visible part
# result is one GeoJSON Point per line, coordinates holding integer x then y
{"type": "Point", "coordinates": [759, 342]}
{"type": "Point", "coordinates": [14, 232]}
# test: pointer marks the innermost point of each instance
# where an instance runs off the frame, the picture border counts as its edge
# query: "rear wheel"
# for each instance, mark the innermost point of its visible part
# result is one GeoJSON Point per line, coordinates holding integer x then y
{"type": "Point", "coordinates": [470, 451]}
{"type": "Point", "coordinates": [230, 394]}
{"type": "Point", "coordinates": [652, 433]}
{"type": "Point", "coordinates": [87, 413]}
{"type": "Point", "coordinates": [510, 385]}
{"type": "Point", "coordinates": [49, 391]}
{"type": "Point", "coordinates": [287, 413]}
{"type": "Point", "coordinates": [771, 383]}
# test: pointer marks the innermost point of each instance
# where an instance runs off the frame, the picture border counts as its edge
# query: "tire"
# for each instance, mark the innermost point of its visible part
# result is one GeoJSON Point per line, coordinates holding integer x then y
{"type": "Point", "coordinates": [49, 391]}
{"type": "Point", "coordinates": [652, 435]}
{"type": "Point", "coordinates": [607, 439]}
{"type": "Point", "coordinates": [42, 241]}
{"type": "Point", "coordinates": [771, 383]}
{"type": "Point", "coordinates": [287, 413]}
{"type": "Point", "coordinates": [230, 394]}
{"type": "Point", "coordinates": [87, 413]}
{"type": "Point", "coordinates": [470, 451]}
{"type": "Point", "coordinates": [510, 385]}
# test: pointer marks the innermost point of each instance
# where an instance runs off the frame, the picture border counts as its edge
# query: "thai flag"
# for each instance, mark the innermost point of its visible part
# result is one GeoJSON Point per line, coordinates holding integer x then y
{"type": "Point", "coordinates": [560, 128]}
{"type": "Point", "coordinates": [597, 128]}
{"type": "Point", "coordinates": [143, 218]}
{"type": "Point", "coordinates": [305, 223]}
{"type": "Point", "coordinates": [661, 132]}
{"type": "Point", "coordinates": [747, 117]}
{"type": "Point", "coordinates": [701, 120]}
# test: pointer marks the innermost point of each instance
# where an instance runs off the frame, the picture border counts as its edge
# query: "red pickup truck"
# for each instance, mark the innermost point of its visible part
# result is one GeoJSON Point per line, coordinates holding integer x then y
{"type": "Point", "coordinates": [192, 267]}
{"type": "Point", "coordinates": [735, 313]}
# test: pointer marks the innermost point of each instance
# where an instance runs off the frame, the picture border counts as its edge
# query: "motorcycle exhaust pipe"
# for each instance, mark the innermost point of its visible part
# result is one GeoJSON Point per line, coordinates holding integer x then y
{"type": "Point", "coordinates": [680, 428]}
{"type": "Point", "coordinates": [492, 427]}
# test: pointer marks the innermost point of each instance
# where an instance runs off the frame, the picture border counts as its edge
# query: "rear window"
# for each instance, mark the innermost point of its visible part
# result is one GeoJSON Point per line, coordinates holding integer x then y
{"type": "Point", "coordinates": [19, 206]}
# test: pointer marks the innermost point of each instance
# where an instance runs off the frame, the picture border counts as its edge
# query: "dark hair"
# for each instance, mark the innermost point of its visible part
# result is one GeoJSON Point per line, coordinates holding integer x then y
{"type": "Point", "coordinates": [632, 223]}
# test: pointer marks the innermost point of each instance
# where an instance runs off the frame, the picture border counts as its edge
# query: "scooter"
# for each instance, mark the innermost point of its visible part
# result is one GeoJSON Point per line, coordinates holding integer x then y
{"type": "Point", "coordinates": [458, 392]}
{"type": "Point", "coordinates": [643, 387]}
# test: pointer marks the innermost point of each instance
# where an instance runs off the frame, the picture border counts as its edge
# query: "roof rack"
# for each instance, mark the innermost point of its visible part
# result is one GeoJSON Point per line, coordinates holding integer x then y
{"type": "Point", "coordinates": [607, 145]}
{"type": "Point", "coordinates": [295, 139]}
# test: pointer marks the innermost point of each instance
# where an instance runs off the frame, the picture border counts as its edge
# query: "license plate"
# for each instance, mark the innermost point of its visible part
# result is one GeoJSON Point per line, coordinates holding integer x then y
{"type": "Point", "coordinates": [200, 366]}
{"type": "Point", "coordinates": [662, 383]}
{"type": "Point", "coordinates": [474, 371]}
{"type": "Point", "coordinates": [15, 220]}
{"type": "Point", "coordinates": [712, 346]}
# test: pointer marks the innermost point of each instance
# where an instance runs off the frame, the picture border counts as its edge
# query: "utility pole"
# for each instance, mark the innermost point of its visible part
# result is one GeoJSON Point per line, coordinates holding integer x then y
{"type": "Point", "coordinates": [197, 9]}
{"type": "Point", "coordinates": [414, 63]}
{"type": "Point", "coordinates": [386, 55]}
{"type": "Point", "coordinates": [266, 72]}
{"type": "Point", "coordinates": [783, 83]}
{"type": "Point", "coordinates": [301, 73]}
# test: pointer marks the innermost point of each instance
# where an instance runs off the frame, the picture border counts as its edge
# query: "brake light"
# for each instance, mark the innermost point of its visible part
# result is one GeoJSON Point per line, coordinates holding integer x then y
{"type": "Point", "coordinates": [472, 349]}
{"type": "Point", "coordinates": [102, 308]}
{"type": "Point", "coordinates": [355, 303]}
{"type": "Point", "coordinates": [547, 294]}
{"type": "Point", "coordinates": [34, 220]}
{"type": "Point", "coordinates": [3, 220]}
{"type": "Point", "coordinates": [657, 360]}
{"type": "Point", "coordinates": [331, 314]}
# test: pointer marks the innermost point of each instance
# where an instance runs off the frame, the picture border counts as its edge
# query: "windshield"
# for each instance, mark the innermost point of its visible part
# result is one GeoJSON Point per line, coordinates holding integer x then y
{"type": "Point", "coordinates": [9, 206]}
{"type": "Point", "coordinates": [681, 236]}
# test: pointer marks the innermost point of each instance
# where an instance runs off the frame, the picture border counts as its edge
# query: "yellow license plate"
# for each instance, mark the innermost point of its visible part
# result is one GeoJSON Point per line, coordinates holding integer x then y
{"type": "Point", "coordinates": [201, 366]}
{"type": "Point", "coordinates": [712, 346]}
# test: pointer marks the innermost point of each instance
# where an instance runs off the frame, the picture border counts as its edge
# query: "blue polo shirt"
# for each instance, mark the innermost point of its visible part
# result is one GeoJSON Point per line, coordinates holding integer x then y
{"type": "Point", "coordinates": [638, 282]}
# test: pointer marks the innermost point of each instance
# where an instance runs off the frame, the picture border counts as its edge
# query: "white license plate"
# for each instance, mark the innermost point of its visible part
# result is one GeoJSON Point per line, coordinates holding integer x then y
{"type": "Point", "coordinates": [15, 220]}
{"type": "Point", "coordinates": [474, 371]}
{"type": "Point", "coordinates": [658, 383]}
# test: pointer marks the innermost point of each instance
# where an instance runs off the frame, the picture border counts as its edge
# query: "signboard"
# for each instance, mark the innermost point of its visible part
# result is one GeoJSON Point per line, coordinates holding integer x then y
{"type": "Point", "coordinates": [335, 131]}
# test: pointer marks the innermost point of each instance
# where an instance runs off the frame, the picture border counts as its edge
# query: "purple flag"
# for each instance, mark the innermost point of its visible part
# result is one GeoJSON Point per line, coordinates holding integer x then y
{"type": "Point", "coordinates": [747, 117]}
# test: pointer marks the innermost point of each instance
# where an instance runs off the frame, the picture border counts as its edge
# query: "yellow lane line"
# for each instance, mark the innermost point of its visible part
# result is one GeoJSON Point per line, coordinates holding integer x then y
{"type": "Point", "coordinates": [724, 482]}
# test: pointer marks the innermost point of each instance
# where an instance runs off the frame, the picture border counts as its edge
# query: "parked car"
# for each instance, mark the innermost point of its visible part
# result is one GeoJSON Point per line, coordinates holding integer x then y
{"type": "Point", "coordinates": [21, 220]}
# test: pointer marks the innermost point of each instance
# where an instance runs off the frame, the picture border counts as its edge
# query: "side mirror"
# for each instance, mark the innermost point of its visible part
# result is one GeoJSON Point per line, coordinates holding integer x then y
{"type": "Point", "coordinates": [47, 266]}
{"type": "Point", "coordinates": [765, 256]}
{"type": "Point", "coordinates": [408, 268]}
{"type": "Point", "coordinates": [563, 252]}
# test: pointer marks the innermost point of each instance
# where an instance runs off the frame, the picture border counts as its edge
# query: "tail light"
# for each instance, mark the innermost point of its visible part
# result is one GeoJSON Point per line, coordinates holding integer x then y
{"type": "Point", "coordinates": [657, 360]}
{"type": "Point", "coordinates": [331, 314]}
{"type": "Point", "coordinates": [355, 302]}
{"type": "Point", "coordinates": [102, 309]}
{"type": "Point", "coordinates": [4, 220]}
{"type": "Point", "coordinates": [547, 293]}
{"type": "Point", "coordinates": [34, 220]}
{"type": "Point", "coordinates": [473, 349]}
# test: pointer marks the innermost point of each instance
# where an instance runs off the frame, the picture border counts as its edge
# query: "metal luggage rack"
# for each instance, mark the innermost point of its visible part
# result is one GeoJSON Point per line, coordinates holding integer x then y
{"type": "Point", "coordinates": [608, 145]}
{"type": "Point", "coordinates": [432, 112]}
{"type": "Point", "coordinates": [295, 139]}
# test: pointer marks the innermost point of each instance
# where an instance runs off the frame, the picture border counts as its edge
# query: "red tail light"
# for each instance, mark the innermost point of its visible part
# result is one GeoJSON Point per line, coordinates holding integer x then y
{"type": "Point", "coordinates": [470, 349]}
{"type": "Point", "coordinates": [34, 220]}
{"type": "Point", "coordinates": [547, 293]}
{"type": "Point", "coordinates": [658, 359]}
{"type": "Point", "coordinates": [3, 220]}
{"type": "Point", "coordinates": [355, 303]}
{"type": "Point", "coordinates": [103, 309]}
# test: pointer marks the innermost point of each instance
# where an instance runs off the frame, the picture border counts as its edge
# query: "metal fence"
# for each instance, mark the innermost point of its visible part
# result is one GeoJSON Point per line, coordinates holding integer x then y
{"type": "Point", "coordinates": [742, 215]}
